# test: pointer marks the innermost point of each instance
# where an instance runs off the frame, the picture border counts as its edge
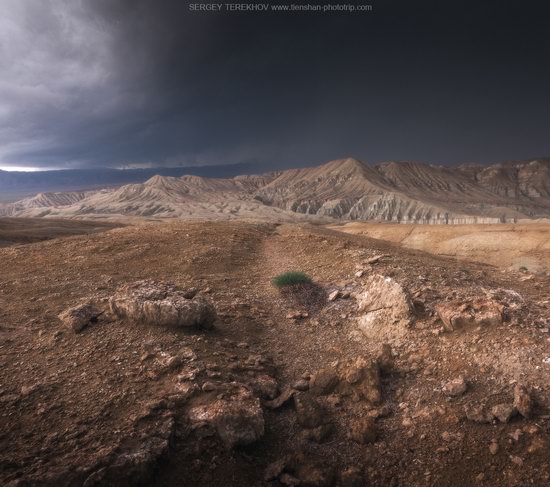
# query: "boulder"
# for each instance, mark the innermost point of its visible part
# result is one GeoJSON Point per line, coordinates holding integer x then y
{"type": "Point", "coordinates": [78, 317]}
{"type": "Point", "coordinates": [361, 378]}
{"type": "Point", "coordinates": [159, 303]}
{"type": "Point", "coordinates": [457, 314]}
{"type": "Point", "coordinates": [386, 308]}
{"type": "Point", "coordinates": [238, 420]}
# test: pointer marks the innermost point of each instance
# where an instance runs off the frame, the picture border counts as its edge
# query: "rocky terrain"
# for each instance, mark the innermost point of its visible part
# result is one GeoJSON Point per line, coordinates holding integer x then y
{"type": "Point", "coordinates": [345, 189]}
{"type": "Point", "coordinates": [161, 355]}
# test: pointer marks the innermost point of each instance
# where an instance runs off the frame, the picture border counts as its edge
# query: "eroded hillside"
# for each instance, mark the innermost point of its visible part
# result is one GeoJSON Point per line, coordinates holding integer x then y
{"type": "Point", "coordinates": [348, 189]}
{"type": "Point", "coordinates": [519, 246]}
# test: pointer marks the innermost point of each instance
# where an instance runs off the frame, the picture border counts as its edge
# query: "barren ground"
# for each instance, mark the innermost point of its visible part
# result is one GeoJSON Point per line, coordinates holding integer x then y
{"type": "Point", "coordinates": [509, 245]}
{"type": "Point", "coordinates": [70, 400]}
{"type": "Point", "coordinates": [27, 230]}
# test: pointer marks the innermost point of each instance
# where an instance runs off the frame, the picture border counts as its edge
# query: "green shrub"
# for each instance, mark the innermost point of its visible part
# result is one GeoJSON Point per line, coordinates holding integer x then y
{"type": "Point", "coordinates": [290, 278]}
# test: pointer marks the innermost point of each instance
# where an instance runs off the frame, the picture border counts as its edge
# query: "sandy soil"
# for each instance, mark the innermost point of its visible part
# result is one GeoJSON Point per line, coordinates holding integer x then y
{"type": "Point", "coordinates": [71, 402]}
{"type": "Point", "coordinates": [509, 245]}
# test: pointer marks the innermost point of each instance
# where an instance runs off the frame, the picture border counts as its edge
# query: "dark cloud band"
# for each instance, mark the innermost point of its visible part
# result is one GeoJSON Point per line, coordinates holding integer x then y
{"type": "Point", "coordinates": [121, 82]}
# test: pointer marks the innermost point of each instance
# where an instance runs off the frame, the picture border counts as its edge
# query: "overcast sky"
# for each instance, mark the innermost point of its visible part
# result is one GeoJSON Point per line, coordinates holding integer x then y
{"type": "Point", "coordinates": [127, 83]}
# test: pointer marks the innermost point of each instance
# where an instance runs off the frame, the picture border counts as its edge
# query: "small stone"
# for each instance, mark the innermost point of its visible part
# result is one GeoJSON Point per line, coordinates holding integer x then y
{"type": "Point", "coordinates": [334, 295]}
{"type": "Point", "coordinates": [28, 390]}
{"type": "Point", "coordinates": [380, 412]}
{"type": "Point", "coordinates": [523, 401]}
{"type": "Point", "coordinates": [265, 386]}
{"type": "Point", "coordinates": [308, 412]}
{"type": "Point", "coordinates": [323, 382]}
{"type": "Point", "coordinates": [185, 391]}
{"type": "Point", "coordinates": [516, 435]}
{"type": "Point", "coordinates": [301, 385]}
{"type": "Point", "coordinates": [359, 274]}
{"type": "Point", "coordinates": [208, 387]}
{"type": "Point", "coordinates": [79, 317]}
{"type": "Point", "coordinates": [456, 387]}
{"type": "Point", "coordinates": [374, 260]}
{"type": "Point", "coordinates": [238, 420]}
{"type": "Point", "coordinates": [281, 399]}
{"type": "Point", "coordinates": [362, 379]}
{"type": "Point", "coordinates": [493, 447]}
{"type": "Point", "coordinates": [289, 480]}
{"type": "Point", "coordinates": [477, 414]}
{"type": "Point", "coordinates": [297, 315]}
{"type": "Point", "coordinates": [517, 460]}
{"type": "Point", "coordinates": [503, 412]}
{"type": "Point", "coordinates": [407, 422]}
{"type": "Point", "coordinates": [456, 314]}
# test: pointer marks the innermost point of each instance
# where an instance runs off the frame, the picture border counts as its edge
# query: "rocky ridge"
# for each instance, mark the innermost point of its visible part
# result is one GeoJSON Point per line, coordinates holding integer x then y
{"type": "Point", "coordinates": [343, 189]}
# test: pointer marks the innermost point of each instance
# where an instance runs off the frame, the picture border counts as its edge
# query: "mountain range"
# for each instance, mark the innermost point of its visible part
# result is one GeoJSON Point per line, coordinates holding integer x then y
{"type": "Point", "coordinates": [406, 192]}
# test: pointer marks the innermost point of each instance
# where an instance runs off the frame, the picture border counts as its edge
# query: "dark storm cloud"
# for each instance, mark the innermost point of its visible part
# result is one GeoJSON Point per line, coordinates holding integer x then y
{"type": "Point", "coordinates": [114, 83]}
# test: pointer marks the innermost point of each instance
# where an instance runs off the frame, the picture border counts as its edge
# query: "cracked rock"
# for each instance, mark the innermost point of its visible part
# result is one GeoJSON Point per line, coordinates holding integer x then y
{"type": "Point", "coordinates": [159, 303]}
{"type": "Point", "coordinates": [385, 307]}
{"type": "Point", "coordinates": [79, 317]}
{"type": "Point", "coordinates": [237, 420]}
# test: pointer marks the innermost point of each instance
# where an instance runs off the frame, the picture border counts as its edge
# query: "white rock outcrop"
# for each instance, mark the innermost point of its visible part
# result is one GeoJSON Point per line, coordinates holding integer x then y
{"type": "Point", "coordinates": [162, 304]}
{"type": "Point", "coordinates": [385, 308]}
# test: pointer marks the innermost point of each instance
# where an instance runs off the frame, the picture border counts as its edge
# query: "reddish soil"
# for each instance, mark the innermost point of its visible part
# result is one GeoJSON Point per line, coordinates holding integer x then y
{"type": "Point", "coordinates": [71, 401]}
